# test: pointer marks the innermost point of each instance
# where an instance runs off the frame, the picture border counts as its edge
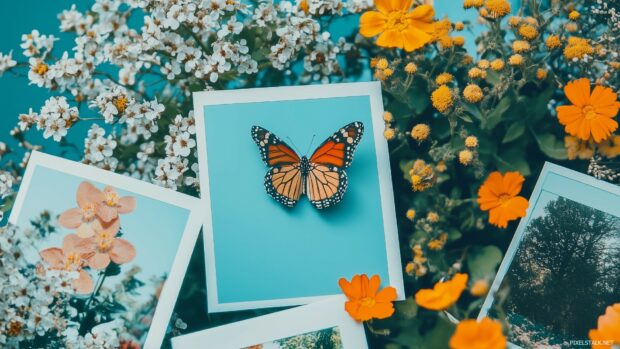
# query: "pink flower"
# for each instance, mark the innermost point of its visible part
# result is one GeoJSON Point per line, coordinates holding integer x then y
{"type": "Point", "coordinates": [107, 247]}
{"type": "Point", "coordinates": [84, 216]}
{"type": "Point", "coordinates": [72, 257]}
{"type": "Point", "coordinates": [113, 205]}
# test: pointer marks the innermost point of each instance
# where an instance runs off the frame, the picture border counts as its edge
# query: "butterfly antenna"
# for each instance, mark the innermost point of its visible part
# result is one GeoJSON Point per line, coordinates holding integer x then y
{"type": "Point", "coordinates": [310, 146]}
{"type": "Point", "coordinates": [293, 144]}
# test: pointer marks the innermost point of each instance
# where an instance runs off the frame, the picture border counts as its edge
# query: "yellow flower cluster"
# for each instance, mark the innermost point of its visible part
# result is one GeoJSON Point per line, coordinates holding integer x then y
{"type": "Point", "coordinates": [477, 73]}
{"type": "Point", "coordinates": [472, 3]}
{"type": "Point", "coordinates": [553, 42]}
{"type": "Point", "coordinates": [520, 46]}
{"type": "Point", "coordinates": [422, 175]}
{"type": "Point", "coordinates": [528, 32]}
{"type": "Point", "coordinates": [417, 267]}
{"type": "Point", "coordinates": [382, 68]}
{"type": "Point", "coordinates": [442, 99]}
{"type": "Point", "coordinates": [444, 78]}
{"type": "Point", "coordinates": [439, 243]}
{"type": "Point", "coordinates": [515, 60]}
{"type": "Point", "coordinates": [497, 8]}
{"type": "Point", "coordinates": [497, 64]}
{"type": "Point", "coordinates": [441, 34]}
{"type": "Point", "coordinates": [472, 93]}
{"type": "Point", "coordinates": [420, 132]}
{"type": "Point", "coordinates": [577, 48]}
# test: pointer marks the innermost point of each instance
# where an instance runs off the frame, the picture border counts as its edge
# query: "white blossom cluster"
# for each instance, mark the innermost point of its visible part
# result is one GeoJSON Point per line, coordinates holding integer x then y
{"type": "Point", "coordinates": [137, 78]}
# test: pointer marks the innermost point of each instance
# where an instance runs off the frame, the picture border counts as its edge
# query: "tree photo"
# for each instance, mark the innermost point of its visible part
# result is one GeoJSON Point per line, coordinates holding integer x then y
{"type": "Point", "coordinates": [564, 274]}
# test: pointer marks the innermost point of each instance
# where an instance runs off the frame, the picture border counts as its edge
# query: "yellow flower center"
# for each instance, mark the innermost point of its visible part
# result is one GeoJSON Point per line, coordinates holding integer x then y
{"type": "Point", "coordinates": [111, 198]}
{"type": "Point", "coordinates": [88, 211]}
{"type": "Point", "coordinates": [72, 262]}
{"type": "Point", "coordinates": [41, 68]}
{"type": "Point", "coordinates": [104, 241]}
{"type": "Point", "coordinates": [503, 198]}
{"type": "Point", "coordinates": [397, 20]}
{"type": "Point", "coordinates": [368, 302]}
{"type": "Point", "coordinates": [121, 103]}
{"type": "Point", "coordinates": [589, 112]}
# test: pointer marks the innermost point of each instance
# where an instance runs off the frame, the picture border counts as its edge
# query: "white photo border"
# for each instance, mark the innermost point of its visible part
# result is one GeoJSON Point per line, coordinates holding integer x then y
{"type": "Point", "coordinates": [274, 94]}
{"type": "Point", "coordinates": [172, 286]}
{"type": "Point", "coordinates": [279, 325]}
{"type": "Point", "coordinates": [548, 168]}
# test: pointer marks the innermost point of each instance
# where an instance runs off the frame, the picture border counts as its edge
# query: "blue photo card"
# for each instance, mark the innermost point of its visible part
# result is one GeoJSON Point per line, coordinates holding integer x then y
{"type": "Point", "coordinates": [261, 253]}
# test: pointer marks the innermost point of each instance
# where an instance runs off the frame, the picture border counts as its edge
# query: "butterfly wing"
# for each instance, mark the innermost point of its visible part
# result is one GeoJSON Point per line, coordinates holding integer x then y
{"type": "Point", "coordinates": [326, 181]}
{"type": "Point", "coordinates": [283, 181]}
{"type": "Point", "coordinates": [325, 185]}
{"type": "Point", "coordinates": [338, 149]}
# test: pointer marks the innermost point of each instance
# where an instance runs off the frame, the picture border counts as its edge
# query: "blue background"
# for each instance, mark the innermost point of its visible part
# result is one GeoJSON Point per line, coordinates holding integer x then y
{"type": "Point", "coordinates": [264, 250]}
{"type": "Point", "coordinates": [154, 228]}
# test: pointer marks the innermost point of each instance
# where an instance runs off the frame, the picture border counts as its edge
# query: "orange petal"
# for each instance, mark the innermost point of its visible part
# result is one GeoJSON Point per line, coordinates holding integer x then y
{"type": "Point", "coordinates": [53, 256]}
{"type": "Point", "coordinates": [390, 38]}
{"type": "Point", "coordinates": [414, 38]}
{"type": "Point", "coordinates": [99, 261]}
{"type": "Point", "coordinates": [373, 285]}
{"type": "Point", "coordinates": [512, 182]}
{"type": "Point", "coordinates": [423, 13]}
{"type": "Point", "coordinates": [568, 114]}
{"type": "Point", "coordinates": [604, 97]}
{"type": "Point", "coordinates": [71, 218]}
{"type": "Point", "coordinates": [384, 6]}
{"type": "Point", "coordinates": [88, 193]}
{"type": "Point", "coordinates": [387, 294]}
{"type": "Point", "coordinates": [352, 307]}
{"type": "Point", "coordinates": [382, 310]}
{"type": "Point", "coordinates": [372, 23]}
{"type": "Point", "coordinates": [122, 251]}
{"type": "Point", "coordinates": [578, 92]}
{"type": "Point", "coordinates": [126, 204]}
{"type": "Point", "coordinates": [403, 5]}
{"type": "Point", "coordinates": [84, 283]}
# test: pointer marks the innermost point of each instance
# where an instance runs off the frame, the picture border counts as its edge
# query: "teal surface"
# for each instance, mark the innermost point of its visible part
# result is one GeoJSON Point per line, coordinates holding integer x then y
{"type": "Point", "coordinates": [266, 251]}
{"type": "Point", "coordinates": [154, 228]}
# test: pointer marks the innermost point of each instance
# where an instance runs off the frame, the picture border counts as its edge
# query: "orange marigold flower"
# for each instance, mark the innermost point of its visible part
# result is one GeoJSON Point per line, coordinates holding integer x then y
{"type": "Point", "coordinates": [499, 194]}
{"type": "Point", "coordinates": [471, 334]}
{"type": "Point", "coordinates": [366, 301]}
{"type": "Point", "coordinates": [443, 294]}
{"type": "Point", "coordinates": [590, 115]}
{"type": "Point", "coordinates": [607, 333]}
{"type": "Point", "coordinates": [397, 26]}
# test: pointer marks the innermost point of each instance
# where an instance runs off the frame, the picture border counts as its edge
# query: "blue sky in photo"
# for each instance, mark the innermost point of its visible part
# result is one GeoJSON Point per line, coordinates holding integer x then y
{"type": "Point", "coordinates": [154, 228]}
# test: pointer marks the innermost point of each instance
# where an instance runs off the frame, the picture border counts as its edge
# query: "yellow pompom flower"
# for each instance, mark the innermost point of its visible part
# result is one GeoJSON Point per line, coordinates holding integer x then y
{"type": "Point", "coordinates": [497, 8]}
{"type": "Point", "coordinates": [420, 132]}
{"type": "Point", "coordinates": [515, 60]}
{"type": "Point", "coordinates": [441, 33]}
{"type": "Point", "coordinates": [483, 64]}
{"type": "Point", "coordinates": [410, 214]}
{"type": "Point", "coordinates": [441, 166]}
{"type": "Point", "coordinates": [472, 93]}
{"type": "Point", "coordinates": [471, 142]}
{"type": "Point", "coordinates": [577, 48]}
{"type": "Point", "coordinates": [458, 26]}
{"type": "Point", "coordinates": [422, 175]}
{"type": "Point", "coordinates": [411, 68]}
{"type": "Point", "coordinates": [382, 63]}
{"type": "Point", "coordinates": [519, 46]}
{"type": "Point", "coordinates": [479, 288]}
{"type": "Point", "coordinates": [514, 21]}
{"type": "Point", "coordinates": [467, 59]}
{"type": "Point", "coordinates": [553, 42]}
{"type": "Point", "coordinates": [442, 99]}
{"type": "Point", "coordinates": [387, 72]}
{"type": "Point", "coordinates": [373, 62]}
{"type": "Point", "coordinates": [476, 73]}
{"type": "Point", "coordinates": [497, 64]}
{"type": "Point", "coordinates": [458, 41]}
{"type": "Point", "coordinates": [528, 32]}
{"type": "Point", "coordinates": [573, 15]}
{"type": "Point", "coordinates": [397, 26]}
{"type": "Point", "coordinates": [432, 217]}
{"type": "Point", "coordinates": [466, 156]}
{"type": "Point", "coordinates": [388, 117]}
{"type": "Point", "coordinates": [472, 3]}
{"type": "Point", "coordinates": [389, 133]}
{"type": "Point", "coordinates": [444, 78]}
{"type": "Point", "coordinates": [541, 74]}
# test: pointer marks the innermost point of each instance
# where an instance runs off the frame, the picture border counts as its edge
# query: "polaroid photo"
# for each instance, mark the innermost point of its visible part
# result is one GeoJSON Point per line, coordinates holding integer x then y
{"type": "Point", "coordinates": [129, 235]}
{"type": "Point", "coordinates": [561, 269]}
{"type": "Point", "coordinates": [261, 253]}
{"type": "Point", "coordinates": [324, 324]}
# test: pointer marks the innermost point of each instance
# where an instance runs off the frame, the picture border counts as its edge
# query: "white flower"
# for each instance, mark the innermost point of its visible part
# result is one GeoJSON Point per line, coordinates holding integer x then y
{"type": "Point", "coordinates": [6, 62]}
{"type": "Point", "coordinates": [183, 144]}
{"type": "Point", "coordinates": [6, 184]}
{"type": "Point", "coordinates": [56, 117]}
{"type": "Point", "coordinates": [35, 44]}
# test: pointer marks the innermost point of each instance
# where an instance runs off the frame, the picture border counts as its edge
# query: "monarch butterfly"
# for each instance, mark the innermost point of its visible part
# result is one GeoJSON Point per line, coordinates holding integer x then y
{"type": "Point", "coordinates": [321, 177]}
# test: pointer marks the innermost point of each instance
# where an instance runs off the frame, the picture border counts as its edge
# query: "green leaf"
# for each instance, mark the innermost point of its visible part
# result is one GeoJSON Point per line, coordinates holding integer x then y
{"type": "Point", "coordinates": [551, 146]}
{"type": "Point", "coordinates": [483, 261]}
{"type": "Point", "coordinates": [515, 131]}
{"type": "Point", "coordinates": [495, 116]}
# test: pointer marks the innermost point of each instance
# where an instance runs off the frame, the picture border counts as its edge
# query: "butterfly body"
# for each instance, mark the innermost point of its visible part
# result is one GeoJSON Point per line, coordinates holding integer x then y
{"type": "Point", "coordinates": [321, 177]}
